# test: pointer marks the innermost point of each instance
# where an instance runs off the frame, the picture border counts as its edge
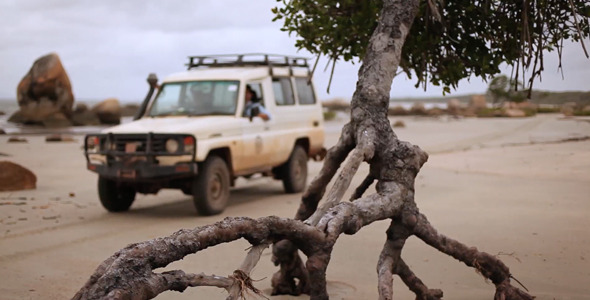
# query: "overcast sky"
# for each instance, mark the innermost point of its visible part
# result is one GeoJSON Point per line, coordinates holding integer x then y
{"type": "Point", "coordinates": [108, 47]}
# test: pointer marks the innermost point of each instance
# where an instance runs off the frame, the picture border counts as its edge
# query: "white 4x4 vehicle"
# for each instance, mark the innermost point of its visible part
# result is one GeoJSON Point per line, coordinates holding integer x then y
{"type": "Point", "coordinates": [195, 134]}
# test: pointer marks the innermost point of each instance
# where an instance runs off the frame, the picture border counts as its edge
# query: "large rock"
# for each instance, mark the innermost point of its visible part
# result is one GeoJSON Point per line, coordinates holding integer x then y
{"type": "Point", "coordinates": [14, 177]}
{"type": "Point", "coordinates": [418, 109]}
{"type": "Point", "coordinates": [568, 108]}
{"type": "Point", "coordinates": [454, 107]}
{"type": "Point", "coordinates": [85, 118]}
{"type": "Point", "coordinates": [129, 110]}
{"type": "Point", "coordinates": [478, 102]}
{"type": "Point", "coordinates": [514, 113]}
{"type": "Point", "coordinates": [108, 111]}
{"type": "Point", "coordinates": [45, 92]}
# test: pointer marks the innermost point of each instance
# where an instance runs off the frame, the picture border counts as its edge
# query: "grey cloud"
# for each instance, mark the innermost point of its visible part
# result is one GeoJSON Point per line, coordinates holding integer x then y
{"type": "Point", "coordinates": [108, 47]}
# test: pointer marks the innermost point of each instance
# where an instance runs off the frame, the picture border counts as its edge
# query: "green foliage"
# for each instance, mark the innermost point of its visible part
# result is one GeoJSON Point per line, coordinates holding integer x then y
{"type": "Point", "coordinates": [582, 113]}
{"type": "Point", "coordinates": [529, 112]}
{"type": "Point", "coordinates": [488, 112]}
{"type": "Point", "coordinates": [472, 37]}
{"type": "Point", "coordinates": [329, 115]}
{"type": "Point", "coordinates": [503, 89]}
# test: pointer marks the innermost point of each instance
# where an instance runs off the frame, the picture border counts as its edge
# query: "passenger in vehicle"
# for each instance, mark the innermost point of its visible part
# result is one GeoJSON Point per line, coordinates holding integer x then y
{"type": "Point", "coordinates": [253, 104]}
{"type": "Point", "coordinates": [201, 100]}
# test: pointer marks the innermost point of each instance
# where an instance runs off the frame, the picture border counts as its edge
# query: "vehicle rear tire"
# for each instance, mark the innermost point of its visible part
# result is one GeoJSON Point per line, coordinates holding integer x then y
{"type": "Point", "coordinates": [211, 187]}
{"type": "Point", "coordinates": [115, 197]}
{"type": "Point", "coordinates": [294, 173]}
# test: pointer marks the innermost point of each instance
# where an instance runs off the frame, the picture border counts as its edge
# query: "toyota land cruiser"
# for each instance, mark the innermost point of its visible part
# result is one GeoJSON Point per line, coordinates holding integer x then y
{"type": "Point", "coordinates": [193, 132]}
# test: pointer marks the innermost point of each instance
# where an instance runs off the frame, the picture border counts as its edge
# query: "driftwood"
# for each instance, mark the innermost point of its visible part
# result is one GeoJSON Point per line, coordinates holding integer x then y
{"type": "Point", "coordinates": [367, 138]}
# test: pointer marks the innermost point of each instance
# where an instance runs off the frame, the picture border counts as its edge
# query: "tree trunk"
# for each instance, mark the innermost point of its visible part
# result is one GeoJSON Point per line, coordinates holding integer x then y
{"type": "Point", "coordinates": [369, 138]}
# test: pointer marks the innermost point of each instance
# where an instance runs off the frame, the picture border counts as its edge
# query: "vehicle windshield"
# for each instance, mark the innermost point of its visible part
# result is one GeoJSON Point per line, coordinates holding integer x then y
{"type": "Point", "coordinates": [196, 98]}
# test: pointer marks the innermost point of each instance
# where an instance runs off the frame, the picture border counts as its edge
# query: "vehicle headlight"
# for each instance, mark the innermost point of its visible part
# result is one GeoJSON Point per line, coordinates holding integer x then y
{"type": "Point", "coordinates": [92, 143]}
{"type": "Point", "coordinates": [171, 145]}
{"type": "Point", "coordinates": [189, 144]}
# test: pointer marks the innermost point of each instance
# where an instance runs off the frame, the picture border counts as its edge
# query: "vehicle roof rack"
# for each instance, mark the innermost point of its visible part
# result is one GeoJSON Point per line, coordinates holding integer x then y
{"type": "Point", "coordinates": [249, 59]}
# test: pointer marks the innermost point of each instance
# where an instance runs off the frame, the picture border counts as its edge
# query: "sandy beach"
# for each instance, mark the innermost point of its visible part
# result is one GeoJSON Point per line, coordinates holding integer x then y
{"type": "Point", "coordinates": [516, 188]}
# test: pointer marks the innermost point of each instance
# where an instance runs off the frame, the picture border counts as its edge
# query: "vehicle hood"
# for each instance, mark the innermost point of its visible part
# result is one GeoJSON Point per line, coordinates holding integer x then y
{"type": "Point", "coordinates": [201, 127]}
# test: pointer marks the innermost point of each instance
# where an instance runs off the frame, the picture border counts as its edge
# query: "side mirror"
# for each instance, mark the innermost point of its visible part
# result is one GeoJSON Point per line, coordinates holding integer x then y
{"type": "Point", "coordinates": [254, 111]}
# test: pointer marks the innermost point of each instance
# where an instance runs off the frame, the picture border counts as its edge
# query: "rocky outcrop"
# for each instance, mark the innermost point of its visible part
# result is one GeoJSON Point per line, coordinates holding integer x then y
{"type": "Point", "coordinates": [84, 117]}
{"type": "Point", "coordinates": [129, 110]}
{"type": "Point", "coordinates": [45, 94]}
{"type": "Point", "coordinates": [568, 108]}
{"type": "Point", "coordinates": [14, 177]}
{"type": "Point", "coordinates": [513, 113]}
{"type": "Point", "coordinates": [418, 109]}
{"type": "Point", "coordinates": [478, 102]}
{"type": "Point", "coordinates": [108, 111]}
{"type": "Point", "coordinates": [454, 107]}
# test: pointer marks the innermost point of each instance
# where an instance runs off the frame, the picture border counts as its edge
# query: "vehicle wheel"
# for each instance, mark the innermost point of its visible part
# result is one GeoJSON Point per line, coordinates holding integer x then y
{"type": "Point", "coordinates": [113, 197]}
{"type": "Point", "coordinates": [211, 188]}
{"type": "Point", "coordinates": [295, 171]}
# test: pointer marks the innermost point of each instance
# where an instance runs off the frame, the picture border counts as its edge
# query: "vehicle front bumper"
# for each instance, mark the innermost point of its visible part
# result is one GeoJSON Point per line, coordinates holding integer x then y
{"type": "Point", "coordinates": [143, 170]}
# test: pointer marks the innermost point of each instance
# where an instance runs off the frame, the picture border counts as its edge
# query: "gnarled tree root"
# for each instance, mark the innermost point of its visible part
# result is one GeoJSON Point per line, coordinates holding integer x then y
{"type": "Point", "coordinates": [394, 164]}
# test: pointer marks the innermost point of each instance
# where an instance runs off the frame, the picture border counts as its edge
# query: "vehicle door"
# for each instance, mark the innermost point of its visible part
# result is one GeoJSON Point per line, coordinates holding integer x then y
{"type": "Point", "coordinates": [255, 131]}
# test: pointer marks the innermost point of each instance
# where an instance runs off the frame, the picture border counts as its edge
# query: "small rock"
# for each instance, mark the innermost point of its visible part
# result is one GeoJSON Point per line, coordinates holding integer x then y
{"type": "Point", "coordinates": [59, 138]}
{"type": "Point", "coordinates": [2, 131]}
{"type": "Point", "coordinates": [397, 111]}
{"type": "Point", "coordinates": [514, 113]}
{"type": "Point", "coordinates": [14, 177]}
{"type": "Point", "coordinates": [16, 139]}
{"type": "Point", "coordinates": [108, 111]}
{"type": "Point", "coordinates": [399, 124]}
{"type": "Point", "coordinates": [80, 108]}
{"type": "Point", "coordinates": [418, 109]}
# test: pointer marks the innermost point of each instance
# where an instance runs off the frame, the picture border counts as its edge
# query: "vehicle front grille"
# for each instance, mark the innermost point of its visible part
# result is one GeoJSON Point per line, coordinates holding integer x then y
{"type": "Point", "coordinates": [138, 143]}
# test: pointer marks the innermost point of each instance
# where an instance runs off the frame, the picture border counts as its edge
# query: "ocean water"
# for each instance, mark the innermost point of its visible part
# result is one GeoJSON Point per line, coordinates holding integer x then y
{"type": "Point", "coordinates": [408, 104]}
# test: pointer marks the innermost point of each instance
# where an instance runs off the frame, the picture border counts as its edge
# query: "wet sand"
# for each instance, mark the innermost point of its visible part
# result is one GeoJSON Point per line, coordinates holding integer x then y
{"type": "Point", "coordinates": [517, 188]}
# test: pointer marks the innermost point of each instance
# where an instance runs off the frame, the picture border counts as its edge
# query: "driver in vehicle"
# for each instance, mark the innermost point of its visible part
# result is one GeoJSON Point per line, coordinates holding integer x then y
{"type": "Point", "coordinates": [253, 105]}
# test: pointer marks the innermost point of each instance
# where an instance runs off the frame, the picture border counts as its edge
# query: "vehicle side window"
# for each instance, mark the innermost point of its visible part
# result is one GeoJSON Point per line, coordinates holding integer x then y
{"type": "Point", "coordinates": [304, 91]}
{"type": "Point", "coordinates": [283, 91]}
{"type": "Point", "coordinates": [257, 88]}
{"type": "Point", "coordinates": [224, 95]}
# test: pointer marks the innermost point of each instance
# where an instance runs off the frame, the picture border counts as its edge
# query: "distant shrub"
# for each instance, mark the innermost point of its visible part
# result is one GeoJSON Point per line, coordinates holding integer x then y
{"type": "Point", "coordinates": [582, 113]}
{"type": "Point", "coordinates": [329, 115]}
{"type": "Point", "coordinates": [397, 111]}
{"type": "Point", "coordinates": [548, 110]}
{"type": "Point", "coordinates": [529, 111]}
{"type": "Point", "coordinates": [488, 112]}
{"type": "Point", "coordinates": [336, 104]}
{"type": "Point", "coordinates": [398, 124]}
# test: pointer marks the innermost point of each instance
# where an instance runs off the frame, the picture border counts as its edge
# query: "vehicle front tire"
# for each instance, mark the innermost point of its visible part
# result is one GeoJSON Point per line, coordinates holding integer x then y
{"type": "Point", "coordinates": [295, 171]}
{"type": "Point", "coordinates": [211, 187]}
{"type": "Point", "coordinates": [114, 197]}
